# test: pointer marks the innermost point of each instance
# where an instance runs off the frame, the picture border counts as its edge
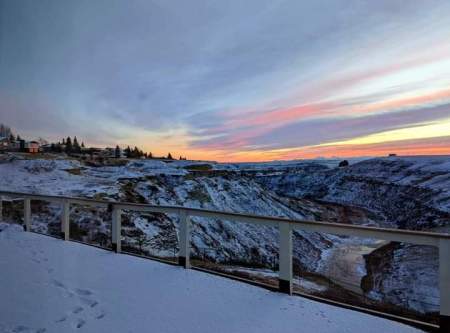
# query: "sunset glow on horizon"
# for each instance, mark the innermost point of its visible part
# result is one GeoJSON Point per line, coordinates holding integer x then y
{"type": "Point", "coordinates": [234, 81]}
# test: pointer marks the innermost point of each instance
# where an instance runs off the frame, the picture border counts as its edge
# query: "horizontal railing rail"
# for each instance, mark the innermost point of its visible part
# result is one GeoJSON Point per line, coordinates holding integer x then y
{"type": "Point", "coordinates": [285, 226]}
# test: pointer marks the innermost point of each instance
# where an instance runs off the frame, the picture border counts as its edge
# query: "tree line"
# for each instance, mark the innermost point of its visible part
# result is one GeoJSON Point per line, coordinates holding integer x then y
{"type": "Point", "coordinates": [73, 146]}
{"type": "Point", "coordinates": [138, 153]}
{"type": "Point", "coordinates": [67, 145]}
{"type": "Point", "coordinates": [6, 132]}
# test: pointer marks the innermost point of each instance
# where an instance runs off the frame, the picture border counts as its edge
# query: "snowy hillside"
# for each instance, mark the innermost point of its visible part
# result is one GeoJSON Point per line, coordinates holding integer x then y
{"type": "Point", "coordinates": [52, 286]}
{"type": "Point", "coordinates": [412, 193]}
{"type": "Point", "coordinates": [400, 192]}
{"type": "Point", "coordinates": [406, 192]}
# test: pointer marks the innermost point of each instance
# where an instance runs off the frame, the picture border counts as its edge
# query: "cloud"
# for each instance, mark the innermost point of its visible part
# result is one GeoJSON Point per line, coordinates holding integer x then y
{"type": "Point", "coordinates": [426, 146]}
{"type": "Point", "coordinates": [31, 116]}
{"type": "Point", "coordinates": [220, 76]}
{"type": "Point", "coordinates": [309, 129]}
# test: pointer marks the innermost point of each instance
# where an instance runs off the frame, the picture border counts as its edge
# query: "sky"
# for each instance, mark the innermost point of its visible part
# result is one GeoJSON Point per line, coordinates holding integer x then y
{"type": "Point", "coordinates": [230, 80]}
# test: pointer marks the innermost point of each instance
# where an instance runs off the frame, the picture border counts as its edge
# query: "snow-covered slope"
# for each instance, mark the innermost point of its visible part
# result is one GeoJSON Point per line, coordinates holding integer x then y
{"type": "Point", "coordinates": [170, 184]}
{"type": "Point", "coordinates": [406, 192]}
{"type": "Point", "coordinates": [399, 192]}
{"type": "Point", "coordinates": [394, 266]}
{"type": "Point", "coordinates": [52, 286]}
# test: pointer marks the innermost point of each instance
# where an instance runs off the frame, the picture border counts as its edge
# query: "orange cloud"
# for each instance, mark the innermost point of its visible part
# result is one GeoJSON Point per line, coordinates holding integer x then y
{"type": "Point", "coordinates": [434, 146]}
{"type": "Point", "coordinates": [257, 123]}
{"type": "Point", "coordinates": [280, 116]}
{"type": "Point", "coordinates": [238, 132]}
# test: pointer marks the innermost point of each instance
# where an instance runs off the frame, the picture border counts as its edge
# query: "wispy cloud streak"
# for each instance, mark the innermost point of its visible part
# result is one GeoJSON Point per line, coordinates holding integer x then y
{"type": "Point", "coordinates": [235, 80]}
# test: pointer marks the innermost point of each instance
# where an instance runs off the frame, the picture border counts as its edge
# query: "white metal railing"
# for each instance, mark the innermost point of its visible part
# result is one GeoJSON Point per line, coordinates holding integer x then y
{"type": "Point", "coordinates": [285, 226]}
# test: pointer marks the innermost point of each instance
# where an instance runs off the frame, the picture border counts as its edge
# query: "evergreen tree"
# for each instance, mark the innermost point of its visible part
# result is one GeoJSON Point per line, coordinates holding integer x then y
{"type": "Point", "coordinates": [76, 146]}
{"type": "Point", "coordinates": [69, 147]}
{"type": "Point", "coordinates": [128, 152]}
{"type": "Point", "coordinates": [117, 152]}
{"type": "Point", "coordinates": [5, 131]}
{"type": "Point", "coordinates": [18, 138]}
{"type": "Point", "coordinates": [82, 145]}
{"type": "Point", "coordinates": [150, 155]}
{"type": "Point", "coordinates": [136, 152]}
{"type": "Point", "coordinates": [64, 141]}
{"type": "Point", "coordinates": [169, 156]}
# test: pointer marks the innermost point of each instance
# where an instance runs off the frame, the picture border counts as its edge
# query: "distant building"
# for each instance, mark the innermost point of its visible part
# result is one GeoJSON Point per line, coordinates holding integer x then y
{"type": "Point", "coordinates": [108, 152]}
{"type": "Point", "coordinates": [32, 147]}
{"type": "Point", "coordinates": [85, 150]}
{"type": "Point", "coordinates": [4, 143]}
{"type": "Point", "coordinates": [48, 147]}
{"type": "Point", "coordinates": [93, 152]}
{"type": "Point", "coordinates": [19, 146]}
{"type": "Point", "coordinates": [113, 153]}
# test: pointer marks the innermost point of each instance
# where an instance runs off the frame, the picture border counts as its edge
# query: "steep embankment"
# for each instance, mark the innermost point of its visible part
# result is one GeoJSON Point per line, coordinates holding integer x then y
{"type": "Point", "coordinates": [408, 193]}
{"type": "Point", "coordinates": [168, 184]}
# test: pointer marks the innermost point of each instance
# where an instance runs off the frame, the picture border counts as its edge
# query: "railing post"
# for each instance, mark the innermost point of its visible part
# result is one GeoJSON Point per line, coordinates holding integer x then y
{"type": "Point", "coordinates": [285, 255]}
{"type": "Point", "coordinates": [65, 220]}
{"type": "Point", "coordinates": [27, 214]}
{"type": "Point", "coordinates": [116, 229]}
{"type": "Point", "coordinates": [444, 284]}
{"type": "Point", "coordinates": [184, 238]}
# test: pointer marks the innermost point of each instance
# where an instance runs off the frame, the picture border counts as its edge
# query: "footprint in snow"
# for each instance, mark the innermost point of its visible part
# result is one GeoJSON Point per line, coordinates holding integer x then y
{"type": "Point", "coordinates": [61, 320]}
{"type": "Point", "coordinates": [83, 292]}
{"type": "Point", "coordinates": [58, 284]}
{"type": "Point", "coordinates": [24, 329]}
{"type": "Point", "coordinates": [100, 315]}
{"type": "Point", "coordinates": [89, 302]}
{"type": "Point", "coordinates": [86, 304]}
{"type": "Point", "coordinates": [79, 323]}
{"type": "Point", "coordinates": [78, 309]}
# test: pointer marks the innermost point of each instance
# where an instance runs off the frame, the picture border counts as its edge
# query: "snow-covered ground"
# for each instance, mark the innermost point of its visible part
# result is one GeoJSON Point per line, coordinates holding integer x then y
{"type": "Point", "coordinates": [48, 285]}
{"type": "Point", "coordinates": [394, 192]}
